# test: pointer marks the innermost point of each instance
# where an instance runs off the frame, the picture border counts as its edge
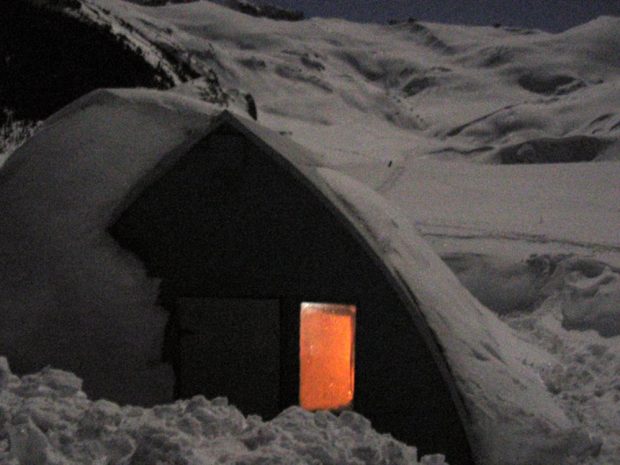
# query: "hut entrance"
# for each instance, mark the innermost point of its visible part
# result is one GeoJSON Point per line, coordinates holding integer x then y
{"type": "Point", "coordinates": [230, 347]}
{"type": "Point", "coordinates": [244, 213]}
{"type": "Point", "coordinates": [326, 356]}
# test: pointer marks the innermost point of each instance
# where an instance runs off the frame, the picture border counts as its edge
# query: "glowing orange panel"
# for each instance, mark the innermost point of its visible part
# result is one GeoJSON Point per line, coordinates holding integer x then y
{"type": "Point", "coordinates": [326, 356]}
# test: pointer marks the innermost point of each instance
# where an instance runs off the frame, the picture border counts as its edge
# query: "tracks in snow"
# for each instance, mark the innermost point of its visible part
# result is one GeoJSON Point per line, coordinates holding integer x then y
{"type": "Point", "coordinates": [470, 232]}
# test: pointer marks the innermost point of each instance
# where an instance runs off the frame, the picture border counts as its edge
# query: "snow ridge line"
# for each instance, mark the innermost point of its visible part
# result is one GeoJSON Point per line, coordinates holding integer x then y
{"type": "Point", "coordinates": [465, 232]}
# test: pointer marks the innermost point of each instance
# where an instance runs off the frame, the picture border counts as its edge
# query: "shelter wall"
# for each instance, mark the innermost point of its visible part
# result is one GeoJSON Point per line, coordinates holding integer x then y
{"type": "Point", "coordinates": [228, 221]}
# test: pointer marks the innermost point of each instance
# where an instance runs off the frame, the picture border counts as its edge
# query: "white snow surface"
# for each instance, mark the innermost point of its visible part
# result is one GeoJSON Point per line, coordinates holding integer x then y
{"type": "Point", "coordinates": [12, 134]}
{"type": "Point", "coordinates": [63, 278]}
{"type": "Point", "coordinates": [403, 91]}
{"type": "Point", "coordinates": [401, 109]}
{"type": "Point", "coordinates": [45, 419]}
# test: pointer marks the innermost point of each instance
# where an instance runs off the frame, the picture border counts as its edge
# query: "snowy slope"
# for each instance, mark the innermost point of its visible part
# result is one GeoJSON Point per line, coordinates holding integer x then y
{"type": "Point", "coordinates": [404, 90]}
{"type": "Point", "coordinates": [45, 418]}
{"type": "Point", "coordinates": [399, 91]}
{"type": "Point", "coordinates": [403, 109]}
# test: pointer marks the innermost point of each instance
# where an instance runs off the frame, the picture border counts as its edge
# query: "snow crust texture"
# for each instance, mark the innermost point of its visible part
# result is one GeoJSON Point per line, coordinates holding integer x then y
{"type": "Point", "coordinates": [406, 90]}
{"type": "Point", "coordinates": [45, 419]}
{"type": "Point", "coordinates": [566, 305]}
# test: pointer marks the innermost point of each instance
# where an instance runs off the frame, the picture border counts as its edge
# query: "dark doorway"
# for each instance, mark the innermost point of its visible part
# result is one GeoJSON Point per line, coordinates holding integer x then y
{"type": "Point", "coordinates": [226, 345]}
{"type": "Point", "coordinates": [231, 218]}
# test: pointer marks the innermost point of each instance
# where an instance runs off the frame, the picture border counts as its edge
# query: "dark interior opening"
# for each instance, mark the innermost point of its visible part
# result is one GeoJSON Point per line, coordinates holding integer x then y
{"type": "Point", "coordinates": [227, 221]}
{"type": "Point", "coordinates": [327, 356]}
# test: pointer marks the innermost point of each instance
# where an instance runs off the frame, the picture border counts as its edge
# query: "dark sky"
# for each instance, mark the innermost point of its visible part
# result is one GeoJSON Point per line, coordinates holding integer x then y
{"type": "Point", "coordinates": [550, 15]}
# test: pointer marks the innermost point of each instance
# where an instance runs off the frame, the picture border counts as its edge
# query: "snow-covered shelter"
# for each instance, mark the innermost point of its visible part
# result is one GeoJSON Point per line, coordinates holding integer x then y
{"type": "Point", "coordinates": [247, 241]}
{"type": "Point", "coordinates": [152, 247]}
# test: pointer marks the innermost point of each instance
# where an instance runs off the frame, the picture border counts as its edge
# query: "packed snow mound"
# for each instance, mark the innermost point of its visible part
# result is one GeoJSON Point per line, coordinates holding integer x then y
{"type": "Point", "coordinates": [586, 290]}
{"type": "Point", "coordinates": [560, 150]}
{"type": "Point", "coordinates": [501, 285]}
{"type": "Point", "coordinates": [391, 92]}
{"type": "Point", "coordinates": [568, 305]}
{"type": "Point", "coordinates": [569, 310]}
{"type": "Point", "coordinates": [45, 418]}
{"type": "Point", "coordinates": [590, 295]}
{"type": "Point", "coordinates": [593, 303]}
{"type": "Point", "coordinates": [65, 274]}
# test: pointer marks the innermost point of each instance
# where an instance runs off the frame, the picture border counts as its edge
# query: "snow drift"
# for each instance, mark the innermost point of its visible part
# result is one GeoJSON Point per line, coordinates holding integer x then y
{"type": "Point", "coordinates": [45, 418]}
{"type": "Point", "coordinates": [587, 290]}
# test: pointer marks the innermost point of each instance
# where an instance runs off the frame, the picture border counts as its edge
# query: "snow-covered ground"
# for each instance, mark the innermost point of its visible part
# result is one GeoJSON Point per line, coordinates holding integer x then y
{"type": "Point", "coordinates": [419, 113]}
{"type": "Point", "coordinates": [392, 92]}
{"type": "Point", "coordinates": [406, 90]}
{"type": "Point", "coordinates": [569, 306]}
{"type": "Point", "coordinates": [45, 419]}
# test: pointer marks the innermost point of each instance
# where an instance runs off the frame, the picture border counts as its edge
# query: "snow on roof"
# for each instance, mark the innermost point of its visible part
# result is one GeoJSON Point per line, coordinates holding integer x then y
{"type": "Point", "coordinates": [489, 362]}
{"type": "Point", "coordinates": [61, 272]}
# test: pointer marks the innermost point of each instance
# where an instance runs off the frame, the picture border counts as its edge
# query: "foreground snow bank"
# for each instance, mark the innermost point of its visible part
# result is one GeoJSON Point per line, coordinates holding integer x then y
{"type": "Point", "coordinates": [45, 418]}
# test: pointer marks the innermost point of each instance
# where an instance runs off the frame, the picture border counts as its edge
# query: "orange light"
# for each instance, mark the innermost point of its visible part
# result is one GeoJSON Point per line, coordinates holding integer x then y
{"type": "Point", "coordinates": [326, 356]}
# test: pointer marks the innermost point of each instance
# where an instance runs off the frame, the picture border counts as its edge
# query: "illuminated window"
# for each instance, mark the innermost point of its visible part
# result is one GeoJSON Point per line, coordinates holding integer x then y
{"type": "Point", "coordinates": [326, 356]}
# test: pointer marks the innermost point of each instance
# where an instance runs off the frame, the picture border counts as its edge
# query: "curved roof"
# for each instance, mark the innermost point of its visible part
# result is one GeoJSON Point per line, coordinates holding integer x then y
{"type": "Point", "coordinates": [59, 192]}
{"type": "Point", "coordinates": [307, 167]}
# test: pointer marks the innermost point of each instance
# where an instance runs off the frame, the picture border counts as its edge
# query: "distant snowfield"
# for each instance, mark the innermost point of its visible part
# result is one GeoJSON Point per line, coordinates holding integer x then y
{"type": "Point", "coordinates": [407, 90]}
{"type": "Point", "coordinates": [421, 114]}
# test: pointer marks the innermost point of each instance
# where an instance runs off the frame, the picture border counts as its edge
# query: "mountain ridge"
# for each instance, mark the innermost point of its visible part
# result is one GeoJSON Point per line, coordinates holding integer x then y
{"type": "Point", "coordinates": [447, 91]}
